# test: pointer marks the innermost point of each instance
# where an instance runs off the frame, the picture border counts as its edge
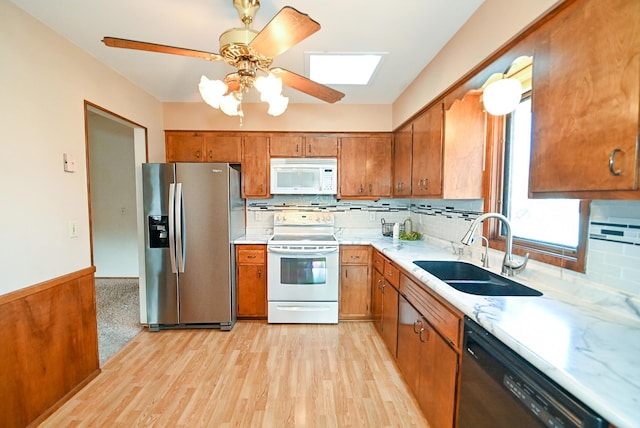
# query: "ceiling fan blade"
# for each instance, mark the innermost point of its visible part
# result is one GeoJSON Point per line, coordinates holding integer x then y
{"type": "Point", "coordinates": [152, 47]}
{"type": "Point", "coordinates": [285, 30]}
{"type": "Point", "coordinates": [307, 86]}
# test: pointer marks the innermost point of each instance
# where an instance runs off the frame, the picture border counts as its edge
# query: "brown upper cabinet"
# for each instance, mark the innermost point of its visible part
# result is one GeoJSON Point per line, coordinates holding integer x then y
{"type": "Point", "coordinates": [292, 145]}
{"type": "Point", "coordinates": [364, 167]}
{"type": "Point", "coordinates": [585, 101]}
{"type": "Point", "coordinates": [426, 172]}
{"type": "Point", "coordinates": [222, 148]}
{"type": "Point", "coordinates": [464, 148]}
{"type": "Point", "coordinates": [186, 146]}
{"type": "Point", "coordinates": [402, 159]}
{"type": "Point", "coordinates": [255, 166]}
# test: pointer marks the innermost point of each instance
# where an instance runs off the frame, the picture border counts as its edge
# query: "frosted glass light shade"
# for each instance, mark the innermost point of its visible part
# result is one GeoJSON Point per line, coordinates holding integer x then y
{"type": "Point", "coordinates": [278, 105]}
{"type": "Point", "coordinates": [269, 87]}
{"type": "Point", "coordinates": [502, 96]}
{"type": "Point", "coordinates": [229, 105]}
{"type": "Point", "coordinates": [212, 91]}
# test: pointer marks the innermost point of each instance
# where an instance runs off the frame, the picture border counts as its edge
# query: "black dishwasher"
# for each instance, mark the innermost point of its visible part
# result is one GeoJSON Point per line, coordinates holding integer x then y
{"type": "Point", "coordinates": [499, 388]}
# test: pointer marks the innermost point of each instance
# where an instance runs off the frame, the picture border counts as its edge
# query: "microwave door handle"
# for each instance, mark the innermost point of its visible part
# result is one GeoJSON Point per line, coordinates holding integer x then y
{"type": "Point", "coordinates": [301, 251]}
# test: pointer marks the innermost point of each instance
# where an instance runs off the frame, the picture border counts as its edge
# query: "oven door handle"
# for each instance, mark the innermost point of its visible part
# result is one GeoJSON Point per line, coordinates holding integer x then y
{"type": "Point", "coordinates": [302, 250]}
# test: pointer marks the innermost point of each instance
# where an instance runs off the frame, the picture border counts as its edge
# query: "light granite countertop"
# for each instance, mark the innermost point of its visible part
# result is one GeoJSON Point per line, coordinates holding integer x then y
{"type": "Point", "coordinates": [586, 344]}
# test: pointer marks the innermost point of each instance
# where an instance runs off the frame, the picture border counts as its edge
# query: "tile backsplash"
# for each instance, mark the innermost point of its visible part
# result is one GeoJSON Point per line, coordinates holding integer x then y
{"type": "Point", "coordinates": [613, 251]}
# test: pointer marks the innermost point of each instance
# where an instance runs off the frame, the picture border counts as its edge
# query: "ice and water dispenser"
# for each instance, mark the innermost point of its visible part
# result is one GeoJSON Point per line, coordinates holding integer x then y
{"type": "Point", "coordinates": [158, 231]}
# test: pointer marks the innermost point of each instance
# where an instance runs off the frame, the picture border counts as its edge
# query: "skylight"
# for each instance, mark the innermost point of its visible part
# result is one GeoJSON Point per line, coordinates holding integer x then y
{"type": "Point", "coordinates": [342, 69]}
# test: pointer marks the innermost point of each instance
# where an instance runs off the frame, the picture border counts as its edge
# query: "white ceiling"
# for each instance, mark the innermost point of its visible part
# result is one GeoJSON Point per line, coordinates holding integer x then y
{"type": "Point", "coordinates": [410, 33]}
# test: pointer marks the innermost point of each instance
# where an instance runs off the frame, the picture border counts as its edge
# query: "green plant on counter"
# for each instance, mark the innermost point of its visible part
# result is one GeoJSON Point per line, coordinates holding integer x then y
{"type": "Point", "coordinates": [412, 236]}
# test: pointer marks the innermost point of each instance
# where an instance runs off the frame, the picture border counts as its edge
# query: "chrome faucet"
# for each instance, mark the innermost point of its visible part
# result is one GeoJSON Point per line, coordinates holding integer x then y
{"type": "Point", "coordinates": [485, 257]}
{"type": "Point", "coordinates": [509, 266]}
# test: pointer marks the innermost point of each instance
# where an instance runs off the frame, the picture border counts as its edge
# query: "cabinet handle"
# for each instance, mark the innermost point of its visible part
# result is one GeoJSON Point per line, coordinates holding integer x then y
{"type": "Point", "coordinates": [297, 148]}
{"type": "Point", "coordinates": [426, 183]}
{"type": "Point", "coordinates": [370, 188]}
{"type": "Point", "coordinates": [420, 335]}
{"type": "Point", "coordinates": [259, 273]}
{"type": "Point", "coordinates": [210, 154]}
{"type": "Point", "coordinates": [251, 257]}
{"type": "Point", "coordinates": [355, 257]}
{"type": "Point", "coordinates": [415, 324]}
{"type": "Point", "coordinates": [309, 150]}
{"type": "Point", "coordinates": [420, 183]}
{"type": "Point", "coordinates": [346, 273]}
{"type": "Point", "coordinates": [612, 161]}
{"type": "Point", "coordinates": [361, 189]}
{"type": "Point", "coordinates": [198, 154]}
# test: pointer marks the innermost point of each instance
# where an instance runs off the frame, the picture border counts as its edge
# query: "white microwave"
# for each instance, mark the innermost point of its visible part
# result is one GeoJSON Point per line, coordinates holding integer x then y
{"type": "Point", "coordinates": [304, 176]}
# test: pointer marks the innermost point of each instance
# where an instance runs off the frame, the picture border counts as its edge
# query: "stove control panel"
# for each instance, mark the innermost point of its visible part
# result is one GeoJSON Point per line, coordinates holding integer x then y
{"type": "Point", "coordinates": [303, 218]}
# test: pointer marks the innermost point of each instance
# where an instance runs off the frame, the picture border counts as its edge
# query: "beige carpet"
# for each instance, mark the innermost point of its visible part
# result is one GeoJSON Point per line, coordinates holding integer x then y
{"type": "Point", "coordinates": [118, 312]}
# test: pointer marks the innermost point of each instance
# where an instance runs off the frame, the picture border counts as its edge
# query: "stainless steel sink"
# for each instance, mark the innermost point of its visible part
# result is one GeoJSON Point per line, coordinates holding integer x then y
{"type": "Point", "coordinates": [472, 279]}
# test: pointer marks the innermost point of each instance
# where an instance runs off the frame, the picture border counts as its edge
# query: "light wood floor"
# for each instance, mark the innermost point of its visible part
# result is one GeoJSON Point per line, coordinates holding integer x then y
{"type": "Point", "coordinates": [257, 375]}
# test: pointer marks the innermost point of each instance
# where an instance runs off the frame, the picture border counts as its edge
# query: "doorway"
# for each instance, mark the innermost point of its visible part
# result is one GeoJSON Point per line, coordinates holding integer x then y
{"type": "Point", "coordinates": [116, 148]}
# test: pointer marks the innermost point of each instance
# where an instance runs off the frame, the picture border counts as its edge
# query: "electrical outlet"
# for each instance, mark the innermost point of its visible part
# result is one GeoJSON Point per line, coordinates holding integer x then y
{"type": "Point", "coordinates": [73, 229]}
{"type": "Point", "coordinates": [123, 211]}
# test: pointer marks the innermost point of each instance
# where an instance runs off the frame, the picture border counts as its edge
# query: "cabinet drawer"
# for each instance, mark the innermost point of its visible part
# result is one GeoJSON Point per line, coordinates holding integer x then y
{"type": "Point", "coordinates": [440, 317]}
{"type": "Point", "coordinates": [391, 273]}
{"type": "Point", "coordinates": [378, 261]}
{"type": "Point", "coordinates": [358, 255]}
{"type": "Point", "coordinates": [251, 255]}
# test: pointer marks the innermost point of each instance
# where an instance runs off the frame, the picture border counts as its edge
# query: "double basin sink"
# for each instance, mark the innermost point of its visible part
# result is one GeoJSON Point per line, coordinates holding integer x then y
{"type": "Point", "coordinates": [472, 279]}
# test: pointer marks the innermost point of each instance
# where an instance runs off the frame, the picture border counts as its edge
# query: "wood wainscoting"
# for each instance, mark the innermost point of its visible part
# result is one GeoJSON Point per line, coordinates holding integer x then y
{"type": "Point", "coordinates": [49, 346]}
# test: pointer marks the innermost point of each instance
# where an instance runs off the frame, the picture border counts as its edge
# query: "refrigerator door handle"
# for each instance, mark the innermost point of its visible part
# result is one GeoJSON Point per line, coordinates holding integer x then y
{"type": "Point", "coordinates": [172, 226]}
{"type": "Point", "coordinates": [179, 228]}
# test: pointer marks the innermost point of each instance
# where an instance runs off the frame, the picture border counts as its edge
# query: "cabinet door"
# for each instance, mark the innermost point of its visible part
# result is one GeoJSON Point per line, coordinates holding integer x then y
{"type": "Point", "coordinates": [355, 293]}
{"type": "Point", "coordinates": [251, 281]}
{"type": "Point", "coordinates": [289, 146]}
{"type": "Point", "coordinates": [464, 144]}
{"type": "Point", "coordinates": [376, 299]}
{"type": "Point", "coordinates": [252, 290]}
{"type": "Point", "coordinates": [378, 166]}
{"type": "Point", "coordinates": [438, 379]}
{"type": "Point", "coordinates": [390, 317]}
{"type": "Point", "coordinates": [409, 345]}
{"type": "Point", "coordinates": [220, 148]}
{"type": "Point", "coordinates": [402, 154]}
{"type": "Point", "coordinates": [585, 99]}
{"type": "Point", "coordinates": [184, 146]}
{"type": "Point", "coordinates": [352, 170]}
{"type": "Point", "coordinates": [255, 167]}
{"type": "Point", "coordinates": [426, 175]}
{"type": "Point", "coordinates": [321, 147]}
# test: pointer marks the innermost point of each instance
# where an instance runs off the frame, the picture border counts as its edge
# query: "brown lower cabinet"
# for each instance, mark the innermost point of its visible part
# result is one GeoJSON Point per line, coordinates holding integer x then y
{"type": "Point", "coordinates": [424, 334]}
{"type": "Point", "coordinates": [385, 300]}
{"type": "Point", "coordinates": [428, 364]}
{"type": "Point", "coordinates": [355, 292]}
{"type": "Point", "coordinates": [251, 281]}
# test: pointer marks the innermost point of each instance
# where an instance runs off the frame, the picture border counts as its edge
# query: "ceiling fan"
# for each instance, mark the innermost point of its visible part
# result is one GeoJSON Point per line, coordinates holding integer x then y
{"type": "Point", "coordinates": [251, 51]}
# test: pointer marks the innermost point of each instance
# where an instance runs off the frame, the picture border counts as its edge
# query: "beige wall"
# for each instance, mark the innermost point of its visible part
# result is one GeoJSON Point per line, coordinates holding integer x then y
{"type": "Point", "coordinates": [44, 81]}
{"type": "Point", "coordinates": [493, 25]}
{"type": "Point", "coordinates": [298, 117]}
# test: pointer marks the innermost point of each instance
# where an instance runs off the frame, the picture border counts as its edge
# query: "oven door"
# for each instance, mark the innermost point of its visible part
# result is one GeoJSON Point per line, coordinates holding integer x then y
{"type": "Point", "coordinates": [299, 275]}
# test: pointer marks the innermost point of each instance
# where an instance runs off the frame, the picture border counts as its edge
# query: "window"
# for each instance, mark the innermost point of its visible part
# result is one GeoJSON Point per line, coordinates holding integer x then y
{"type": "Point", "coordinates": [551, 230]}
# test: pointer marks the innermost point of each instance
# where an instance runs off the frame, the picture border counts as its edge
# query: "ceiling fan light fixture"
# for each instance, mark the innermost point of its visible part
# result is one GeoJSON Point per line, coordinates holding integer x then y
{"type": "Point", "coordinates": [230, 105]}
{"type": "Point", "coordinates": [270, 87]}
{"type": "Point", "coordinates": [212, 91]}
{"type": "Point", "coordinates": [278, 105]}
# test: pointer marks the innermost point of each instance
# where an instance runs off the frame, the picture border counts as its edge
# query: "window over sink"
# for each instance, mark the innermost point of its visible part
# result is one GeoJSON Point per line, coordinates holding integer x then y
{"type": "Point", "coordinates": [552, 230]}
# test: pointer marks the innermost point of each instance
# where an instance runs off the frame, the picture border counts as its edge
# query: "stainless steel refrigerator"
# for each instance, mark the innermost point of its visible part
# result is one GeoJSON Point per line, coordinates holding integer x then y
{"type": "Point", "coordinates": [193, 212]}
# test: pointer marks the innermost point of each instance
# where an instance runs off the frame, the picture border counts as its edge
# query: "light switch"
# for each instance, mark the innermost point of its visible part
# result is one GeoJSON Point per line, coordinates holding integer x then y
{"type": "Point", "coordinates": [73, 229]}
{"type": "Point", "coordinates": [69, 162]}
